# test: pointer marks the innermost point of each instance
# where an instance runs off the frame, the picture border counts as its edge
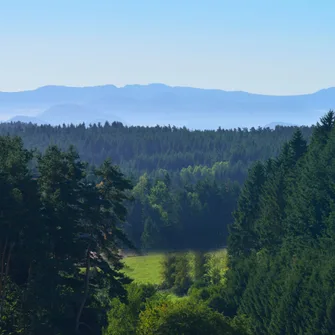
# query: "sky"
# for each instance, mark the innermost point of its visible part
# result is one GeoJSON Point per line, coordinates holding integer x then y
{"type": "Point", "coordinates": [278, 47]}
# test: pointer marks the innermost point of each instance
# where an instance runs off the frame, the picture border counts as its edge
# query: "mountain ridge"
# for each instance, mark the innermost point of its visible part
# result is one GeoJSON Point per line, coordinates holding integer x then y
{"type": "Point", "coordinates": [156, 103]}
{"type": "Point", "coordinates": [45, 87]}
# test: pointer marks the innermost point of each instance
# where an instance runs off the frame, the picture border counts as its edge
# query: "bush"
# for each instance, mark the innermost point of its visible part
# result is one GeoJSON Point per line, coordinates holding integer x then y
{"type": "Point", "coordinates": [176, 273]}
{"type": "Point", "coordinates": [123, 317]}
{"type": "Point", "coordinates": [182, 317]}
{"type": "Point", "coordinates": [169, 270]}
{"type": "Point", "coordinates": [199, 266]}
{"type": "Point", "coordinates": [216, 267]}
{"type": "Point", "coordinates": [183, 279]}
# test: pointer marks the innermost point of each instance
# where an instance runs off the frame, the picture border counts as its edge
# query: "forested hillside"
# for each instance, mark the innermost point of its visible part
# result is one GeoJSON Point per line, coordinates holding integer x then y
{"type": "Point", "coordinates": [146, 149]}
{"type": "Point", "coordinates": [61, 232]}
{"type": "Point", "coordinates": [281, 245]}
{"type": "Point", "coordinates": [186, 183]}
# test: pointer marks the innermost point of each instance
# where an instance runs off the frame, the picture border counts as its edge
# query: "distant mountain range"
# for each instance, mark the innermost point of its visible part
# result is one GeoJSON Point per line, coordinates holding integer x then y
{"type": "Point", "coordinates": [161, 104]}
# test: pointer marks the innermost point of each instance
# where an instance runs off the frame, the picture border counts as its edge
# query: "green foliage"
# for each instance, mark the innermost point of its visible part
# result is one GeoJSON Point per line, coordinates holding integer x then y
{"type": "Point", "coordinates": [182, 317]}
{"type": "Point", "coordinates": [281, 275]}
{"type": "Point", "coordinates": [182, 178]}
{"type": "Point", "coordinates": [123, 316]}
{"type": "Point", "coordinates": [220, 153]}
{"type": "Point", "coordinates": [216, 267]}
{"type": "Point", "coordinates": [62, 227]}
{"type": "Point", "coordinates": [161, 216]}
{"type": "Point", "coordinates": [242, 239]}
{"type": "Point", "coordinates": [169, 270]}
{"type": "Point", "coordinates": [51, 228]}
{"type": "Point", "coordinates": [199, 266]}
{"type": "Point", "coordinates": [176, 273]}
{"type": "Point", "coordinates": [182, 277]}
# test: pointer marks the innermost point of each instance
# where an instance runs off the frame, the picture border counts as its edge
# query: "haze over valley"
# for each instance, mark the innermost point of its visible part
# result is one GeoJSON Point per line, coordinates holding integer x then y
{"type": "Point", "coordinates": [160, 104]}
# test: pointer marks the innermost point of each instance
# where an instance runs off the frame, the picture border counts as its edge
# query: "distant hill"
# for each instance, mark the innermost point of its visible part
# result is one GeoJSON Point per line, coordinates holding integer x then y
{"type": "Point", "coordinates": [73, 113]}
{"type": "Point", "coordinates": [27, 119]}
{"type": "Point", "coordinates": [161, 104]}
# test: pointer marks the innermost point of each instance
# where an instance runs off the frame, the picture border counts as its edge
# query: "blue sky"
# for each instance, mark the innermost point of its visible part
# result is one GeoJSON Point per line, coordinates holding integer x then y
{"type": "Point", "coordinates": [263, 46]}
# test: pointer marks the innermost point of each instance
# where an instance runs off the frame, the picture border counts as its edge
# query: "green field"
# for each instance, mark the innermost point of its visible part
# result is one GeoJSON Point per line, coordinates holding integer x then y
{"type": "Point", "coordinates": [144, 269]}
{"type": "Point", "coordinates": [148, 269]}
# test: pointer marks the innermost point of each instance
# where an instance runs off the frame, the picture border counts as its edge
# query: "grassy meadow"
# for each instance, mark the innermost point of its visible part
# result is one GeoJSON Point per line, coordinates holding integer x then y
{"type": "Point", "coordinates": [147, 269]}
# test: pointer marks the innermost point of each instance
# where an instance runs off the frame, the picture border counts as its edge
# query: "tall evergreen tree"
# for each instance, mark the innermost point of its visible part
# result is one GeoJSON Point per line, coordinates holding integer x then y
{"type": "Point", "coordinates": [242, 239]}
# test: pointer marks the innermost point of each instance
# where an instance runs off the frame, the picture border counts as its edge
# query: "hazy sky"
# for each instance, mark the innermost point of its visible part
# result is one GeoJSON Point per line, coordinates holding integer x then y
{"type": "Point", "coordinates": [263, 46]}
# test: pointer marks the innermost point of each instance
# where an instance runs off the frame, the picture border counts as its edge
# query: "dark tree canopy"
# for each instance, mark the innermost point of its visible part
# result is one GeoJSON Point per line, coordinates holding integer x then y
{"type": "Point", "coordinates": [59, 241]}
{"type": "Point", "coordinates": [282, 240]}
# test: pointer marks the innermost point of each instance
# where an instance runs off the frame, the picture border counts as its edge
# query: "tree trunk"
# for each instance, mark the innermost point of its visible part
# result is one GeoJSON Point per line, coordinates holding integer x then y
{"type": "Point", "coordinates": [87, 282]}
{"type": "Point", "coordinates": [3, 256]}
{"type": "Point", "coordinates": [9, 258]}
{"type": "Point", "coordinates": [3, 293]}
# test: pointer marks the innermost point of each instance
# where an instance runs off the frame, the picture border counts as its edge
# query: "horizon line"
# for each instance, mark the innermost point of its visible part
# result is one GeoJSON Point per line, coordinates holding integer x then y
{"type": "Point", "coordinates": [162, 84]}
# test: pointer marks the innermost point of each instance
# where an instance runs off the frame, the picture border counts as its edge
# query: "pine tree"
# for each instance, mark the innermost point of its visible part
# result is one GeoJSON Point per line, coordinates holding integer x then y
{"type": "Point", "coordinates": [199, 266]}
{"type": "Point", "coordinates": [242, 239]}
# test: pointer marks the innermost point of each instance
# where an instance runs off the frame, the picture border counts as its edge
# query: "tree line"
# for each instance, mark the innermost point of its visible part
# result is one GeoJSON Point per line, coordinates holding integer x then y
{"type": "Point", "coordinates": [147, 149]}
{"type": "Point", "coordinates": [164, 217]}
{"type": "Point", "coordinates": [186, 183]}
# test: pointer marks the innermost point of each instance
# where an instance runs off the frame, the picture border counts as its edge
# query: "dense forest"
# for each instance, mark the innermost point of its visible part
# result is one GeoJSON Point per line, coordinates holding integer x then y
{"type": "Point", "coordinates": [147, 149]}
{"type": "Point", "coordinates": [186, 183]}
{"type": "Point", "coordinates": [269, 194]}
{"type": "Point", "coordinates": [55, 232]}
{"type": "Point", "coordinates": [281, 245]}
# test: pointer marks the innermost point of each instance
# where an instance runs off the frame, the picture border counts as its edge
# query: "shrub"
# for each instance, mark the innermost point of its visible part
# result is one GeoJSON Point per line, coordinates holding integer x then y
{"type": "Point", "coordinates": [183, 279]}
{"type": "Point", "coordinates": [169, 270]}
{"type": "Point", "coordinates": [182, 317]}
{"type": "Point", "coordinates": [123, 317]}
{"type": "Point", "coordinates": [176, 273]}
